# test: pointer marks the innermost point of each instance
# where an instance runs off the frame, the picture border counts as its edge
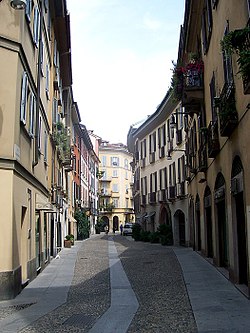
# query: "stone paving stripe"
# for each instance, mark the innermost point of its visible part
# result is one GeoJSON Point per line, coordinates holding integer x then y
{"type": "Point", "coordinates": [124, 303]}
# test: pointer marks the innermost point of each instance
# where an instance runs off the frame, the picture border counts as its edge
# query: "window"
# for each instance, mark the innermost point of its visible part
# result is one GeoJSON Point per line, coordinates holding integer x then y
{"type": "Point", "coordinates": [55, 111]}
{"type": "Point", "coordinates": [36, 26]}
{"type": "Point", "coordinates": [24, 98]}
{"type": "Point", "coordinates": [40, 134]}
{"type": "Point", "coordinates": [248, 6]}
{"type": "Point", "coordinates": [115, 188]}
{"type": "Point", "coordinates": [126, 174]}
{"type": "Point", "coordinates": [47, 80]}
{"type": "Point", "coordinates": [126, 203]}
{"type": "Point", "coordinates": [163, 178]}
{"type": "Point", "coordinates": [55, 54]}
{"type": "Point", "coordinates": [207, 24]}
{"type": "Point", "coordinates": [126, 163]}
{"type": "Point", "coordinates": [143, 149]}
{"type": "Point", "coordinates": [42, 58]}
{"type": "Point", "coordinates": [152, 143]}
{"type": "Point", "coordinates": [114, 161]}
{"type": "Point", "coordinates": [115, 173]}
{"type": "Point", "coordinates": [28, 9]}
{"type": "Point", "coordinates": [116, 202]}
{"type": "Point", "coordinates": [227, 63]}
{"type": "Point", "coordinates": [104, 160]}
{"type": "Point", "coordinates": [45, 146]}
{"type": "Point", "coordinates": [153, 182]}
{"type": "Point", "coordinates": [212, 95]}
{"type": "Point", "coordinates": [32, 107]}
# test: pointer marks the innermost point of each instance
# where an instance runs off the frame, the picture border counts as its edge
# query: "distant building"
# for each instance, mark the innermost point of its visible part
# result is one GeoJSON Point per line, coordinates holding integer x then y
{"type": "Point", "coordinates": [115, 192]}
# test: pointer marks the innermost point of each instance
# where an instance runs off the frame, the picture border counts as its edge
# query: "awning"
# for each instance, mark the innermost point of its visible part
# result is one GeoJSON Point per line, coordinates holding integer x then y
{"type": "Point", "coordinates": [149, 215]}
{"type": "Point", "coordinates": [140, 218]}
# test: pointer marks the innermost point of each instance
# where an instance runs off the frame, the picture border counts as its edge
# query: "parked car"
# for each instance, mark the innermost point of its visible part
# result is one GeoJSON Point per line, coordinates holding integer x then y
{"type": "Point", "coordinates": [127, 229]}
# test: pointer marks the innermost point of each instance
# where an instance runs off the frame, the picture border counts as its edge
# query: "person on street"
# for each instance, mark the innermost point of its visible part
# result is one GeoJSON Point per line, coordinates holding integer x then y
{"type": "Point", "coordinates": [121, 228]}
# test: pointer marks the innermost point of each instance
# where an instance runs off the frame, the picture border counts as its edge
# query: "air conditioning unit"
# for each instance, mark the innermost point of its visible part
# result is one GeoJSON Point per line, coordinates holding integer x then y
{"type": "Point", "coordinates": [180, 190]}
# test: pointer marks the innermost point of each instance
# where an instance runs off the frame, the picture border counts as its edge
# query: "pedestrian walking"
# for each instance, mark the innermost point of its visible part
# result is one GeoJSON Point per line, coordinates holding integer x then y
{"type": "Point", "coordinates": [121, 228]}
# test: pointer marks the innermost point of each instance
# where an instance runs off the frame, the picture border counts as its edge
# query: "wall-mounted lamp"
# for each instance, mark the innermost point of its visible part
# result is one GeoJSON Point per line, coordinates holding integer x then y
{"type": "Point", "coordinates": [173, 122]}
{"type": "Point", "coordinates": [18, 4]}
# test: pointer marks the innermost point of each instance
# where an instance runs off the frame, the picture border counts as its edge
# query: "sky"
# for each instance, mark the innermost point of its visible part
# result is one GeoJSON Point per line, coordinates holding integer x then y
{"type": "Point", "coordinates": [122, 53]}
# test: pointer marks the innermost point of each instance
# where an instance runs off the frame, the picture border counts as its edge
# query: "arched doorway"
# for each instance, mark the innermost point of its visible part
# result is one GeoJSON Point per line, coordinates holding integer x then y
{"type": "Point", "coordinates": [239, 207]}
{"type": "Point", "coordinates": [165, 215]}
{"type": "Point", "coordinates": [115, 223]}
{"type": "Point", "coordinates": [105, 221]}
{"type": "Point", "coordinates": [220, 204]}
{"type": "Point", "coordinates": [180, 232]}
{"type": "Point", "coordinates": [208, 222]}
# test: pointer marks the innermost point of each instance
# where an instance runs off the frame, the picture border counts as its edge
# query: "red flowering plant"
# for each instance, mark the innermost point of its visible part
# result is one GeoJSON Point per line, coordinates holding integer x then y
{"type": "Point", "coordinates": [190, 75]}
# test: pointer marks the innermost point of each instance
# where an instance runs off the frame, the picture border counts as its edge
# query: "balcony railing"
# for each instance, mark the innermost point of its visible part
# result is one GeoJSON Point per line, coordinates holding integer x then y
{"type": "Point", "coordinates": [227, 110]}
{"type": "Point", "coordinates": [213, 144]}
{"type": "Point", "coordinates": [193, 88]}
{"type": "Point", "coordinates": [202, 157]}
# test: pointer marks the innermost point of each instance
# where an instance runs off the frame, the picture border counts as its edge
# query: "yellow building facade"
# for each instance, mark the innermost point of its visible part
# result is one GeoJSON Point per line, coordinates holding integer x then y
{"type": "Point", "coordinates": [115, 192]}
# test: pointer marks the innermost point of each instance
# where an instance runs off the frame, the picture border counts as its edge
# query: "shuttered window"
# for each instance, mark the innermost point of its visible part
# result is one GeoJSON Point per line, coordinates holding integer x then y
{"type": "Point", "coordinates": [24, 98]}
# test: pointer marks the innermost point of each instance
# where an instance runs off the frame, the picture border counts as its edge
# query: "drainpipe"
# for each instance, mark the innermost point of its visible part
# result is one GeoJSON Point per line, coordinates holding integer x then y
{"type": "Point", "coordinates": [38, 94]}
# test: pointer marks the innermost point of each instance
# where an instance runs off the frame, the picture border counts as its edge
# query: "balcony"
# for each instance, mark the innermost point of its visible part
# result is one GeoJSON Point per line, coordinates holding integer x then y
{"type": "Point", "coordinates": [227, 110]}
{"type": "Point", "coordinates": [193, 88]}
{"type": "Point", "coordinates": [152, 198]}
{"type": "Point", "coordinates": [213, 144]}
{"type": "Point", "coordinates": [202, 158]}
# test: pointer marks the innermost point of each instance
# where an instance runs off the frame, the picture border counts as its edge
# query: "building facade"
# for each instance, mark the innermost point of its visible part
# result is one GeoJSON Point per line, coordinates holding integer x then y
{"type": "Point", "coordinates": [160, 188]}
{"type": "Point", "coordinates": [115, 193]}
{"type": "Point", "coordinates": [38, 121]}
{"type": "Point", "coordinates": [215, 89]}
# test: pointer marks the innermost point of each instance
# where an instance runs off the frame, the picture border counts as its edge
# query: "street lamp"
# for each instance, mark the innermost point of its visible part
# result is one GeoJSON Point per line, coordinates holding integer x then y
{"type": "Point", "coordinates": [18, 4]}
{"type": "Point", "coordinates": [173, 122]}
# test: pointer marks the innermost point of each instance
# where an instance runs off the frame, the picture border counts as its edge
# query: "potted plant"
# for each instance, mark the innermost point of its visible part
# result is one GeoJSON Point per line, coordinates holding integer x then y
{"type": "Point", "coordinates": [67, 241]}
{"type": "Point", "coordinates": [237, 41]}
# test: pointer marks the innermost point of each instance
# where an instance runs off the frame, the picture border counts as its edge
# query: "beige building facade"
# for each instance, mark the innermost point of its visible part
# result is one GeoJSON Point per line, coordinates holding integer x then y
{"type": "Point", "coordinates": [160, 188]}
{"type": "Point", "coordinates": [37, 135]}
{"type": "Point", "coordinates": [115, 193]}
{"type": "Point", "coordinates": [217, 98]}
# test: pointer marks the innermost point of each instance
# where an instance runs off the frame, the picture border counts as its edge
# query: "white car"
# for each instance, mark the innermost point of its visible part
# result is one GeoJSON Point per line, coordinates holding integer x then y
{"type": "Point", "coordinates": [127, 229]}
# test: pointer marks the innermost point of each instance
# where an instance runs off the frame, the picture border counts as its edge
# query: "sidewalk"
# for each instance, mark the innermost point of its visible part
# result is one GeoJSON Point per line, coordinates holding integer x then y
{"type": "Point", "coordinates": [45, 293]}
{"type": "Point", "coordinates": [217, 305]}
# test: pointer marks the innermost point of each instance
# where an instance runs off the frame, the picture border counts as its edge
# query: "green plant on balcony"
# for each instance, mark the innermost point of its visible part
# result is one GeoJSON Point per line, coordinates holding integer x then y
{"type": "Point", "coordinates": [227, 110]}
{"type": "Point", "coordinates": [61, 140]}
{"type": "Point", "coordinates": [238, 42]}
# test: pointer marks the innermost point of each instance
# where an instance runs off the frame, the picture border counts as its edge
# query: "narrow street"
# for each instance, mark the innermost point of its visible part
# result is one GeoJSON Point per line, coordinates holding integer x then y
{"type": "Point", "coordinates": [121, 286]}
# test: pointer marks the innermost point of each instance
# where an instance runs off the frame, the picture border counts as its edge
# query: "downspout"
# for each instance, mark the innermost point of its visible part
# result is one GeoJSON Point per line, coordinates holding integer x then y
{"type": "Point", "coordinates": [38, 94]}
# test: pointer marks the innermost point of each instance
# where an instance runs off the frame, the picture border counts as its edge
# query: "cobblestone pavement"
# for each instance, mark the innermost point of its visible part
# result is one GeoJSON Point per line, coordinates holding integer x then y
{"type": "Point", "coordinates": [155, 276]}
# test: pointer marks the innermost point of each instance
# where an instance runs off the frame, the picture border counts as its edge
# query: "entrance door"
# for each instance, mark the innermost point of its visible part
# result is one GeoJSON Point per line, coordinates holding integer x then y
{"type": "Point", "coordinates": [241, 238]}
{"type": "Point", "coordinates": [182, 234]}
{"type": "Point", "coordinates": [38, 244]}
{"type": "Point", "coordinates": [222, 227]}
{"type": "Point", "coordinates": [209, 232]}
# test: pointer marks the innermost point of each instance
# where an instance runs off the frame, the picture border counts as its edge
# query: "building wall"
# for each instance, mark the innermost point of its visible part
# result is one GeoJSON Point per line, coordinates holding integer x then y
{"type": "Point", "coordinates": [118, 187]}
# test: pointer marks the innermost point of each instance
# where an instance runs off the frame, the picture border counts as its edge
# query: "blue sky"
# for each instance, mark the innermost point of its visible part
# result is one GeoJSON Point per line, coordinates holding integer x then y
{"type": "Point", "coordinates": [122, 54]}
